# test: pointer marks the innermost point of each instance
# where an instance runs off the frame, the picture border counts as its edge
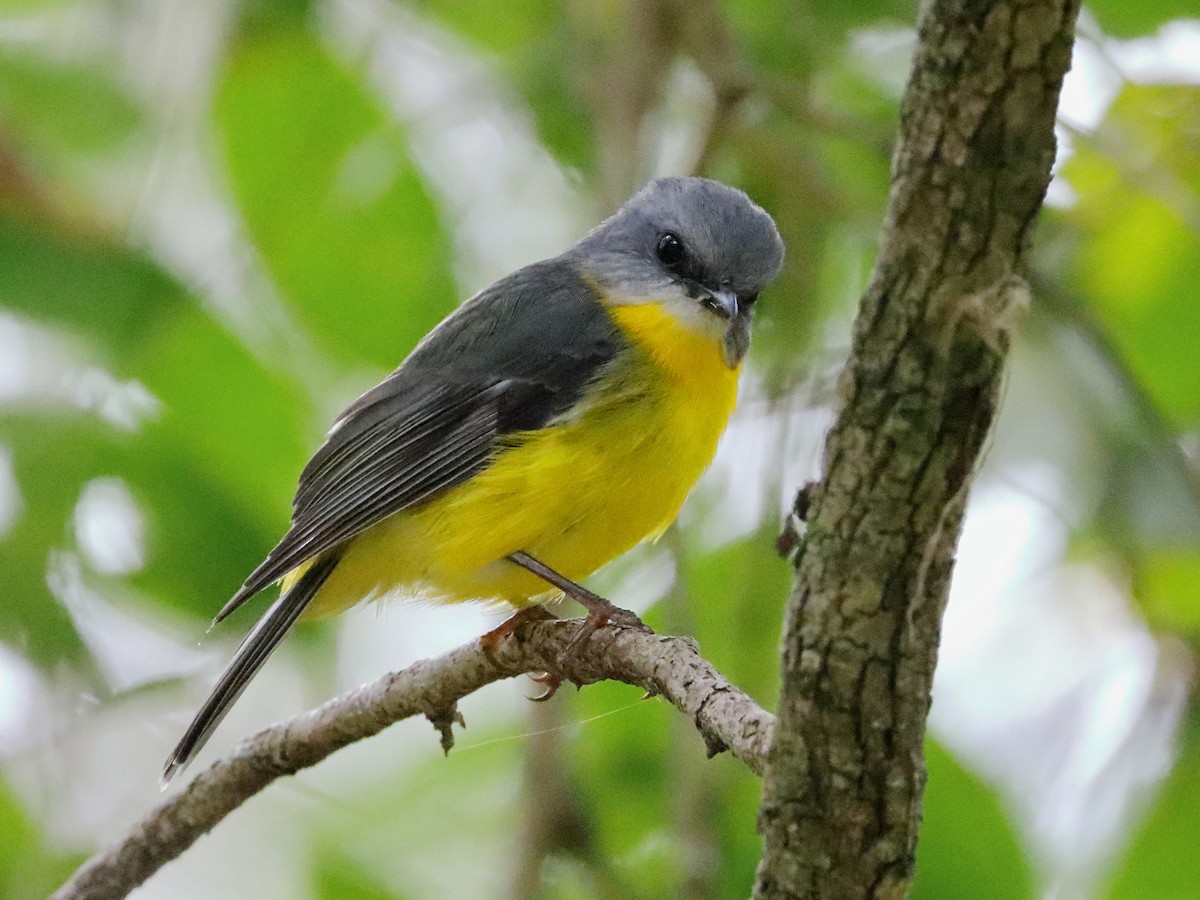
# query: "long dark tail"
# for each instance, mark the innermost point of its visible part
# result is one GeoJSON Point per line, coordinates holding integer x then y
{"type": "Point", "coordinates": [250, 656]}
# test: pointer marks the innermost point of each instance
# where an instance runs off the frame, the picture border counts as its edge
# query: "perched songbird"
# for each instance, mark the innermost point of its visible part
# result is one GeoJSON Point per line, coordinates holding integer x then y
{"type": "Point", "coordinates": [549, 424]}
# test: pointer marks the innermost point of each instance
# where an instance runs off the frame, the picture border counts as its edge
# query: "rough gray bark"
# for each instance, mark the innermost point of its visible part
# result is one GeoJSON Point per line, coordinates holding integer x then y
{"type": "Point", "coordinates": [672, 667]}
{"type": "Point", "coordinates": [845, 772]}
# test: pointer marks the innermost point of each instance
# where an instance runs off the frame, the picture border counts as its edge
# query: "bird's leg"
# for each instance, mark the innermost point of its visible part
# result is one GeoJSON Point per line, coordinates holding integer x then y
{"type": "Point", "coordinates": [600, 611]}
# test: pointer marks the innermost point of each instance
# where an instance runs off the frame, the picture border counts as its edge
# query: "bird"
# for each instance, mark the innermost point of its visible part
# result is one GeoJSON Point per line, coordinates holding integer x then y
{"type": "Point", "coordinates": [546, 426]}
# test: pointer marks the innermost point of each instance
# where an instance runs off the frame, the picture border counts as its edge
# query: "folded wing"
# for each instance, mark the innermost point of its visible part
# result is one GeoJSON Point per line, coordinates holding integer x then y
{"type": "Point", "coordinates": [510, 359]}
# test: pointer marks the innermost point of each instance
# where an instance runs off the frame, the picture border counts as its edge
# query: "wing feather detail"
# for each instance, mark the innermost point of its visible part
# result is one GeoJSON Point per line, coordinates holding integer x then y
{"type": "Point", "coordinates": [513, 358]}
{"type": "Point", "coordinates": [378, 471]}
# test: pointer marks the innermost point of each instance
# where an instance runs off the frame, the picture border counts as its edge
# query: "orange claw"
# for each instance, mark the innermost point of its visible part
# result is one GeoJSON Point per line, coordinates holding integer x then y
{"type": "Point", "coordinates": [551, 682]}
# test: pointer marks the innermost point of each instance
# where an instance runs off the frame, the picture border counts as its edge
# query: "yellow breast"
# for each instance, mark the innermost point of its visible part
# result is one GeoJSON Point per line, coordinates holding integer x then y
{"type": "Point", "coordinates": [575, 494]}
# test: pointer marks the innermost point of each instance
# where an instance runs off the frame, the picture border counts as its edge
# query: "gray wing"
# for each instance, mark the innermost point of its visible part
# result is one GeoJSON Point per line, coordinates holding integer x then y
{"type": "Point", "coordinates": [510, 359]}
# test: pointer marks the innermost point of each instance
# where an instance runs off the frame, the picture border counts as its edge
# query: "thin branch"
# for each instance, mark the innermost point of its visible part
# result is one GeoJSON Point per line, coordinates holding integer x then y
{"type": "Point", "coordinates": [672, 667]}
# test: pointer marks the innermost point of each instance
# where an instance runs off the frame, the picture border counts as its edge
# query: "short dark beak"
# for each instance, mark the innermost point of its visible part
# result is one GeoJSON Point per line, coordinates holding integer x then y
{"type": "Point", "coordinates": [723, 302]}
{"type": "Point", "coordinates": [737, 338]}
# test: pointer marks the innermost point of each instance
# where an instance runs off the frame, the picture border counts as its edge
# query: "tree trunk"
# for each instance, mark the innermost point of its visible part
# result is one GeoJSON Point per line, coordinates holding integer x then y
{"type": "Point", "coordinates": [845, 772]}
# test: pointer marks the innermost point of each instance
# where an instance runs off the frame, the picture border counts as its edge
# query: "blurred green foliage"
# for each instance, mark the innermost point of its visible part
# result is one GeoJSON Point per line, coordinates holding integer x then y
{"type": "Point", "coordinates": [1138, 178]}
{"type": "Point", "coordinates": [29, 868]}
{"type": "Point", "coordinates": [328, 194]}
{"type": "Point", "coordinates": [63, 108]}
{"type": "Point", "coordinates": [1162, 861]}
{"type": "Point", "coordinates": [963, 822]}
{"type": "Point", "coordinates": [335, 209]}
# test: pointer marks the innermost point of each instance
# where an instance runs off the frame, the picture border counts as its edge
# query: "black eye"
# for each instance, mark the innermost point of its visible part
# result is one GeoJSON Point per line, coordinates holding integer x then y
{"type": "Point", "coordinates": [670, 251]}
{"type": "Point", "coordinates": [748, 299]}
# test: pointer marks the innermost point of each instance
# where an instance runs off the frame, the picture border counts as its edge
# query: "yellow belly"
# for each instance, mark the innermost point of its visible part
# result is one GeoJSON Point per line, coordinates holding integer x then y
{"type": "Point", "coordinates": [574, 495]}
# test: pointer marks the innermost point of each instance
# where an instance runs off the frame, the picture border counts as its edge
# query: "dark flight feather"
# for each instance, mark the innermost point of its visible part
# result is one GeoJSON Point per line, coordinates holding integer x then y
{"type": "Point", "coordinates": [250, 656]}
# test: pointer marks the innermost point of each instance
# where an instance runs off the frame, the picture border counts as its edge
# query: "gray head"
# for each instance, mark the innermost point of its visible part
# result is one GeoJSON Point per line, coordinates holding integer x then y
{"type": "Point", "coordinates": [702, 249]}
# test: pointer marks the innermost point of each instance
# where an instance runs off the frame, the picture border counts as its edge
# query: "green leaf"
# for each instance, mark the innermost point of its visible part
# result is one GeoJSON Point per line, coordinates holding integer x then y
{"type": "Point", "coordinates": [212, 473]}
{"type": "Point", "coordinates": [1162, 861]}
{"type": "Point", "coordinates": [1168, 590]}
{"type": "Point", "coordinates": [747, 583]}
{"type": "Point", "coordinates": [1140, 258]}
{"type": "Point", "coordinates": [564, 120]}
{"type": "Point", "coordinates": [497, 26]}
{"type": "Point", "coordinates": [1139, 269]}
{"type": "Point", "coordinates": [203, 532]}
{"type": "Point", "coordinates": [111, 296]}
{"type": "Point", "coordinates": [339, 878]}
{"type": "Point", "coordinates": [794, 38]}
{"type": "Point", "coordinates": [1125, 19]}
{"type": "Point", "coordinates": [52, 458]}
{"type": "Point", "coordinates": [29, 869]}
{"type": "Point", "coordinates": [967, 846]}
{"type": "Point", "coordinates": [203, 536]}
{"type": "Point", "coordinates": [55, 106]}
{"type": "Point", "coordinates": [26, 5]}
{"type": "Point", "coordinates": [620, 767]}
{"type": "Point", "coordinates": [239, 421]}
{"type": "Point", "coordinates": [114, 300]}
{"type": "Point", "coordinates": [330, 197]}
{"type": "Point", "coordinates": [461, 807]}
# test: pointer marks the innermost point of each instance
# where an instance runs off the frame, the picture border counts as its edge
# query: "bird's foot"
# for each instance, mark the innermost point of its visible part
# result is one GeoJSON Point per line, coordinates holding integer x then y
{"type": "Point", "coordinates": [601, 612]}
{"type": "Point", "coordinates": [510, 626]}
{"type": "Point", "coordinates": [548, 680]}
{"type": "Point", "coordinates": [514, 623]}
{"type": "Point", "coordinates": [597, 619]}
